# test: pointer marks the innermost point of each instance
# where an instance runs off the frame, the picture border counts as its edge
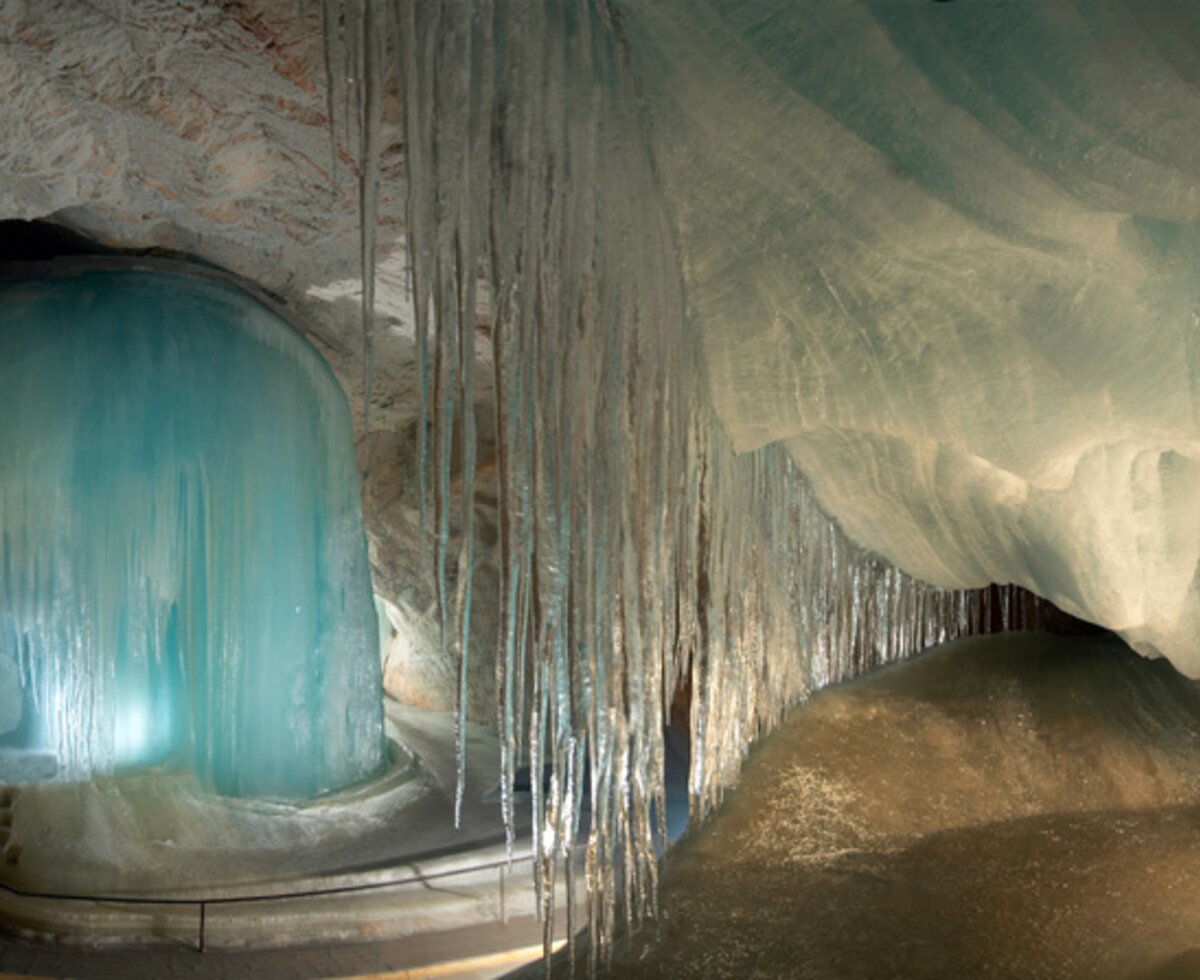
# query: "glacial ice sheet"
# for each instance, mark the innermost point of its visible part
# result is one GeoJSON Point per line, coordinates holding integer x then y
{"type": "Point", "coordinates": [183, 572]}
{"type": "Point", "coordinates": [949, 256]}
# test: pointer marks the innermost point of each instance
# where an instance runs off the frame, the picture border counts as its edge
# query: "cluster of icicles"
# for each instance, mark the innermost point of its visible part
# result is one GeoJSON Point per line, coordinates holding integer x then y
{"type": "Point", "coordinates": [640, 556]}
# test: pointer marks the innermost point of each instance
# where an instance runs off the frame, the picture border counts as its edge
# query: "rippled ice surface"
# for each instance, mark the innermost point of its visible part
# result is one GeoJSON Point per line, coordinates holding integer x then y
{"type": "Point", "coordinates": [1016, 805]}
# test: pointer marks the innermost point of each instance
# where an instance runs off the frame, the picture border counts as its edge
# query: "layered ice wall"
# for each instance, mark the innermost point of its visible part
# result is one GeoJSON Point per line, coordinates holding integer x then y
{"type": "Point", "coordinates": [184, 577]}
{"type": "Point", "coordinates": [950, 257]}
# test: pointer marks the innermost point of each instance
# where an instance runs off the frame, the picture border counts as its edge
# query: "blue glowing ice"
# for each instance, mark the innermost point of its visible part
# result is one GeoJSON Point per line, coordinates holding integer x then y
{"type": "Point", "coordinates": [183, 572]}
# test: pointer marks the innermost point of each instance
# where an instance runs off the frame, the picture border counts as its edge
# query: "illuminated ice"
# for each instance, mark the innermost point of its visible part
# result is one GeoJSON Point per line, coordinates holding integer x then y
{"type": "Point", "coordinates": [183, 574]}
{"type": "Point", "coordinates": [947, 257]}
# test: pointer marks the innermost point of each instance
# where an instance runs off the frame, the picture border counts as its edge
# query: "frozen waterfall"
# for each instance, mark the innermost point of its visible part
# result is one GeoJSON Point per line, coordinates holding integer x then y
{"type": "Point", "coordinates": [184, 579]}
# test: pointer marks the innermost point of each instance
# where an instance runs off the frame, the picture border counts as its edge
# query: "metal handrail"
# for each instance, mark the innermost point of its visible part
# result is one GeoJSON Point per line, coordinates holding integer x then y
{"type": "Point", "coordinates": [202, 904]}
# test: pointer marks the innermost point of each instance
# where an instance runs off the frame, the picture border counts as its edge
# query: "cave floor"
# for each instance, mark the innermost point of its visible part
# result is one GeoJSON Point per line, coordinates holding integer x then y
{"type": "Point", "coordinates": [1013, 806]}
{"type": "Point", "coordinates": [457, 910]}
{"type": "Point", "coordinates": [1010, 806]}
{"type": "Point", "coordinates": [458, 953]}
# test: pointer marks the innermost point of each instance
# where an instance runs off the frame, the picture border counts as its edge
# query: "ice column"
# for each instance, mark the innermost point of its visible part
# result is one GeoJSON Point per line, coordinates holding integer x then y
{"type": "Point", "coordinates": [184, 577]}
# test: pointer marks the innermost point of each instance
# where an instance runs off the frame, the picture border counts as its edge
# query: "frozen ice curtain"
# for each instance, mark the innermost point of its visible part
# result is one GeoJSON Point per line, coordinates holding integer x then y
{"type": "Point", "coordinates": [184, 577]}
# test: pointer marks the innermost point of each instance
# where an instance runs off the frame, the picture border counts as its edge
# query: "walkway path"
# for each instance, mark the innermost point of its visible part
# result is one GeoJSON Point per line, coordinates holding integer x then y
{"type": "Point", "coordinates": [475, 935]}
{"type": "Point", "coordinates": [456, 953]}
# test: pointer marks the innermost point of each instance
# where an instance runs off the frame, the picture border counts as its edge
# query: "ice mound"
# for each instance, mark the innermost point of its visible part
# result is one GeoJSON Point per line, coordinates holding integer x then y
{"type": "Point", "coordinates": [1025, 800]}
{"type": "Point", "coordinates": [164, 833]}
{"type": "Point", "coordinates": [950, 259]}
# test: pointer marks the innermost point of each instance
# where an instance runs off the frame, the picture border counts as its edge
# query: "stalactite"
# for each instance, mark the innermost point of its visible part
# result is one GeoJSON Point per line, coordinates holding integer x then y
{"type": "Point", "coordinates": [639, 554]}
{"type": "Point", "coordinates": [369, 45]}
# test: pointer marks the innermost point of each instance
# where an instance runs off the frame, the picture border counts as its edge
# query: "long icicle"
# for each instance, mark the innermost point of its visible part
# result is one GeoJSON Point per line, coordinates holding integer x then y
{"type": "Point", "coordinates": [370, 41]}
{"type": "Point", "coordinates": [332, 50]}
{"type": "Point", "coordinates": [640, 557]}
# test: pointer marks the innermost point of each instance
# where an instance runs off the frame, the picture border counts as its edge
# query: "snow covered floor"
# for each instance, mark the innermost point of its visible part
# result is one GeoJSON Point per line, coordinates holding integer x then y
{"type": "Point", "coordinates": [1016, 805]}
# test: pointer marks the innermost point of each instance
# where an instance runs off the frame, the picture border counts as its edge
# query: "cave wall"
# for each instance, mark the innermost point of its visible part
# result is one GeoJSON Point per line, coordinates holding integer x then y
{"type": "Point", "coordinates": [200, 130]}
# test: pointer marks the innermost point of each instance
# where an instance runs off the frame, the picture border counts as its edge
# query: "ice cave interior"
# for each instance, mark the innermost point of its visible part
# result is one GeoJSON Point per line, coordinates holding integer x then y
{"type": "Point", "coordinates": [683, 359]}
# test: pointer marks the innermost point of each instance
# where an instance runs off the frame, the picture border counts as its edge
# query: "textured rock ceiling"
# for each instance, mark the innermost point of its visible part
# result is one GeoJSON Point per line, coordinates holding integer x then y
{"type": "Point", "coordinates": [951, 262]}
{"type": "Point", "coordinates": [194, 128]}
{"type": "Point", "coordinates": [950, 255]}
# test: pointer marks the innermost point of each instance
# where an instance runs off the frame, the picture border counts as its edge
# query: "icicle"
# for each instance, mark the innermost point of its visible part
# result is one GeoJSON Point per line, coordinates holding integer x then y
{"type": "Point", "coordinates": [352, 15]}
{"type": "Point", "coordinates": [331, 49]}
{"type": "Point", "coordinates": [639, 554]}
{"type": "Point", "coordinates": [414, 44]}
{"type": "Point", "coordinates": [369, 43]}
{"type": "Point", "coordinates": [475, 171]}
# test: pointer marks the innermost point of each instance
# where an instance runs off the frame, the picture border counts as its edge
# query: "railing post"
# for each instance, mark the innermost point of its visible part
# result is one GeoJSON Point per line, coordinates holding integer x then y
{"type": "Point", "coordinates": [200, 947]}
{"type": "Point", "coordinates": [503, 907]}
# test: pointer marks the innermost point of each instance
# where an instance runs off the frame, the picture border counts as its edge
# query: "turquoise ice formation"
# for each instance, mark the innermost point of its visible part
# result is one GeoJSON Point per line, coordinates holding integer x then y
{"type": "Point", "coordinates": [183, 571]}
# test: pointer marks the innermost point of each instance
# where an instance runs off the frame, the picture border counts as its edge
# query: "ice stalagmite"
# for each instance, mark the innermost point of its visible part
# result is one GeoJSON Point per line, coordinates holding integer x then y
{"type": "Point", "coordinates": [184, 577]}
